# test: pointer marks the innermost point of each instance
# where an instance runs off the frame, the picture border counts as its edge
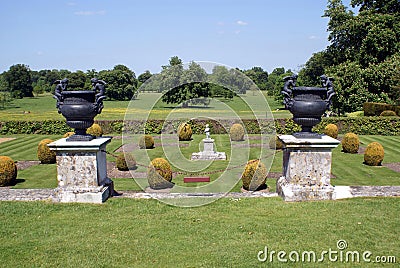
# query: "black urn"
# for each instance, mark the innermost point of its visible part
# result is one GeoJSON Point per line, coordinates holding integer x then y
{"type": "Point", "coordinates": [80, 107]}
{"type": "Point", "coordinates": [307, 104]}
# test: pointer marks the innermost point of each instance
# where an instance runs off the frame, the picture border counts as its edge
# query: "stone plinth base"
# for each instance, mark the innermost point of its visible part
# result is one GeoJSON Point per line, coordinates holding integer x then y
{"type": "Point", "coordinates": [306, 168]}
{"type": "Point", "coordinates": [94, 195]}
{"type": "Point", "coordinates": [82, 171]}
{"type": "Point", "coordinates": [293, 193]}
{"type": "Point", "coordinates": [208, 152]}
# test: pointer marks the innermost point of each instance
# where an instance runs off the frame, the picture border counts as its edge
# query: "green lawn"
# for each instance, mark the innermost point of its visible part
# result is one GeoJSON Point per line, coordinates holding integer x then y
{"type": "Point", "coordinates": [43, 108]}
{"type": "Point", "coordinates": [227, 233]}
{"type": "Point", "coordinates": [348, 169]}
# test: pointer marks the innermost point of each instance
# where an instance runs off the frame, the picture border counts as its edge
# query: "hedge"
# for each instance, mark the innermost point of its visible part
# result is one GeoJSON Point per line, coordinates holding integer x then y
{"type": "Point", "coordinates": [376, 108]}
{"type": "Point", "coordinates": [389, 126]}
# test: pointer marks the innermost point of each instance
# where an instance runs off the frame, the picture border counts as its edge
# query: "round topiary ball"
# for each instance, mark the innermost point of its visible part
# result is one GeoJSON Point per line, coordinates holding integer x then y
{"type": "Point", "coordinates": [254, 175]}
{"type": "Point", "coordinates": [125, 162]}
{"type": "Point", "coordinates": [275, 143]}
{"type": "Point", "coordinates": [68, 134]}
{"type": "Point", "coordinates": [95, 130]}
{"type": "Point", "coordinates": [159, 174]}
{"type": "Point", "coordinates": [185, 132]}
{"type": "Point", "coordinates": [146, 142]}
{"type": "Point", "coordinates": [236, 132]}
{"type": "Point", "coordinates": [331, 130]}
{"type": "Point", "coordinates": [44, 154]}
{"type": "Point", "coordinates": [374, 154]}
{"type": "Point", "coordinates": [8, 171]}
{"type": "Point", "coordinates": [350, 143]}
{"type": "Point", "coordinates": [388, 113]}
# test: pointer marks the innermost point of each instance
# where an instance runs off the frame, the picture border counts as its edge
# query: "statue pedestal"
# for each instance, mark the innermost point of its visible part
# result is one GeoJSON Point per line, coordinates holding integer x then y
{"type": "Point", "coordinates": [306, 168]}
{"type": "Point", "coordinates": [82, 171]}
{"type": "Point", "coordinates": [208, 152]}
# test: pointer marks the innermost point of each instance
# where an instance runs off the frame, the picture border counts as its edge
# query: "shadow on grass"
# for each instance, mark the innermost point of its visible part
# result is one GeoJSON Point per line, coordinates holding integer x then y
{"type": "Point", "coordinates": [17, 181]}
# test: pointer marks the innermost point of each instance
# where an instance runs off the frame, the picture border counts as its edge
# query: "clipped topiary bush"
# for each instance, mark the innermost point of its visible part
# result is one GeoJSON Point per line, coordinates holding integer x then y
{"type": "Point", "coordinates": [254, 176]}
{"type": "Point", "coordinates": [388, 113]}
{"type": "Point", "coordinates": [350, 143]}
{"type": "Point", "coordinates": [275, 143]}
{"type": "Point", "coordinates": [331, 130]}
{"type": "Point", "coordinates": [68, 134]}
{"type": "Point", "coordinates": [8, 171]}
{"type": "Point", "coordinates": [95, 130]}
{"type": "Point", "coordinates": [159, 174]}
{"type": "Point", "coordinates": [146, 142]}
{"type": "Point", "coordinates": [236, 132]}
{"type": "Point", "coordinates": [125, 162]}
{"type": "Point", "coordinates": [374, 154]}
{"type": "Point", "coordinates": [185, 132]}
{"type": "Point", "coordinates": [44, 154]}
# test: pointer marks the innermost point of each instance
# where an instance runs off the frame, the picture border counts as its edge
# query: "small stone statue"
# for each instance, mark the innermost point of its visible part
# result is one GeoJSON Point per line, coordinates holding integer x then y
{"type": "Point", "coordinates": [207, 131]}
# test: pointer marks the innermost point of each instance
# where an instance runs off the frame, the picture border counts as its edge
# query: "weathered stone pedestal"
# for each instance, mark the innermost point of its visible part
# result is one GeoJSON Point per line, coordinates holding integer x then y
{"type": "Point", "coordinates": [306, 169]}
{"type": "Point", "coordinates": [208, 152]}
{"type": "Point", "coordinates": [82, 171]}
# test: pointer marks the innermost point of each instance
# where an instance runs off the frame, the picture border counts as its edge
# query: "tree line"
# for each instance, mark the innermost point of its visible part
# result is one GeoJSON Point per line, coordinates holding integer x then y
{"type": "Point", "coordinates": [20, 81]}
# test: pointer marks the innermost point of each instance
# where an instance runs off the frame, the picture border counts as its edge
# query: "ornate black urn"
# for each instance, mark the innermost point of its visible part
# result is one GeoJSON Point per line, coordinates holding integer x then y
{"type": "Point", "coordinates": [80, 107]}
{"type": "Point", "coordinates": [307, 104]}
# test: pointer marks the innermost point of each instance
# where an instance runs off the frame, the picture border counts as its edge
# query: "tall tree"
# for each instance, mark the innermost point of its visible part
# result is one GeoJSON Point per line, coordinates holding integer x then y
{"type": "Point", "coordinates": [121, 82]}
{"type": "Point", "coordinates": [258, 76]}
{"type": "Point", "coordinates": [363, 53]}
{"type": "Point", "coordinates": [183, 85]}
{"type": "Point", "coordinates": [5, 94]}
{"type": "Point", "coordinates": [19, 81]}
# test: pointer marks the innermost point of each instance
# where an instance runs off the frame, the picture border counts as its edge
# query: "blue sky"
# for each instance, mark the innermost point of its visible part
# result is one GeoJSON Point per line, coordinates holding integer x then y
{"type": "Point", "coordinates": [98, 34]}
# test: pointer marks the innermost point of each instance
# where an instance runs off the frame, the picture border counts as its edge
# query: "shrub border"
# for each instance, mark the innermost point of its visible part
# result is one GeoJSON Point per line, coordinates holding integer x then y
{"type": "Point", "coordinates": [389, 126]}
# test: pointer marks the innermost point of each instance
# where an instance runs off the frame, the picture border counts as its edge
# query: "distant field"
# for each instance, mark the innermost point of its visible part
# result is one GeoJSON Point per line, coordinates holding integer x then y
{"type": "Point", "coordinates": [149, 105]}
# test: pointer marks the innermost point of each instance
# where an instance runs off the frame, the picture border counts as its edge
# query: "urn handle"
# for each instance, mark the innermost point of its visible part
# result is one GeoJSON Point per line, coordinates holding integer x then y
{"type": "Point", "coordinates": [328, 83]}
{"type": "Point", "coordinates": [61, 86]}
{"type": "Point", "coordinates": [100, 87]}
{"type": "Point", "coordinates": [290, 83]}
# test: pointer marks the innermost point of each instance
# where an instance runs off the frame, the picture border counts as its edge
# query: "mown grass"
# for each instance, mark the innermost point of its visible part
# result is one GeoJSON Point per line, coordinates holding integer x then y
{"type": "Point", "coordinates": [43, 108]}
{"type": "Point", "coordinates": [227, 233]}
{"type": "Point", "coordinates": [348, 169]}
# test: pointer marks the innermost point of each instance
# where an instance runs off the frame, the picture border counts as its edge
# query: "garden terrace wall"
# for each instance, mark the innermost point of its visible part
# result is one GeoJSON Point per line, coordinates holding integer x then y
{"type": "Point", "coordinates": [389, 126]}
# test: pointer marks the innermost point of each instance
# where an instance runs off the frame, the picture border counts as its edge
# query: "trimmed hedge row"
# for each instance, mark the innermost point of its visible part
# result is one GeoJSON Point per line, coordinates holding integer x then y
{"type": "Point", "coordinates": [376, 108]}
{"type": "Point", "coordinates": [389, 126]}
{"type": "Point", "coordinates": [379, 125]}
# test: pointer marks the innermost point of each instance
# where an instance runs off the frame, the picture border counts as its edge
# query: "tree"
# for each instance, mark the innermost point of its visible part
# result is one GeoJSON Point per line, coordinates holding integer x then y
{"type": "Point", "coordinates": [77, 80]}
{"type": "Point", "coordinates": [5, 95]}
{"type": "Point", "coordinates": [184, 85]}
{"type": "Point", "coordinates": [121, 82]}
{"type": "Point", "coordinates": [315, 67]}
{"type": "Point", "coordinates": [258, 76]}
{"type": "Point", "coordinates": [363, 53]}
{"type": "Point", "coordinates": [144, 76]}
{"type": "Point", "coordinates": [19, 81]}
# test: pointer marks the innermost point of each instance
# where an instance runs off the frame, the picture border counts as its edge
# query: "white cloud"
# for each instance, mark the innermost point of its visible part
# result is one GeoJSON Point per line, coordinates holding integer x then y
{"type": "Point", "coordinates": [71, 4]}
{"type": "Point", "coordinates": [39, 53]}
{"type": "Point", "coordinates": [313, 37]}
{"type": "Point", "coordinates": [241, 23]}
{"type": "Point", "coordinates": [90, 13]}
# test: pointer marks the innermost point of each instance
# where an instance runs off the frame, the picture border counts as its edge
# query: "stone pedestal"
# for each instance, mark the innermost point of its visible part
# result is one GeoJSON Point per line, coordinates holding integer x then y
{"type": "Point", "coordinates": [306, 168]}
{"type": "Point", "coordinates": [82, 171]}
{"type": "Point", "coordinates": [208, 152]}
